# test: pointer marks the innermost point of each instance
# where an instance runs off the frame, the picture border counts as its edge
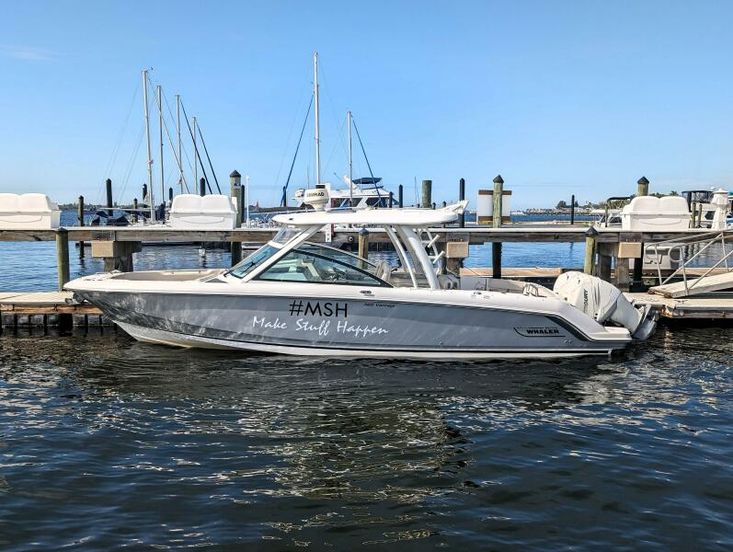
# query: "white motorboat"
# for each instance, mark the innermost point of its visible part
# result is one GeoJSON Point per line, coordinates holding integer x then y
{"type": "Point", "coordinates": [295, 296]}
{"type": "Point", "coordinates": [362, 193]}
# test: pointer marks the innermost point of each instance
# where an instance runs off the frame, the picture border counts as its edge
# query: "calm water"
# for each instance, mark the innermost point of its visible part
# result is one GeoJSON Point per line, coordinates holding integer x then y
{"type": "Point", "coordinates": [106, 443]}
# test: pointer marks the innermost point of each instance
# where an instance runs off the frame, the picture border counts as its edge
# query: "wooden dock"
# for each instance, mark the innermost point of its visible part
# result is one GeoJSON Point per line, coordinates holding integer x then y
{"type": "Point", "coordinates": [711, 306]}
{"type": "Point", "coordinates": [22, 309]}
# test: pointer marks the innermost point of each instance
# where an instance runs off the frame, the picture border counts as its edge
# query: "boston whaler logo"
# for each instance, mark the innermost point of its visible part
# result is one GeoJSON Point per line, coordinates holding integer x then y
{"type": "Point", "coordinates": [539, 331]}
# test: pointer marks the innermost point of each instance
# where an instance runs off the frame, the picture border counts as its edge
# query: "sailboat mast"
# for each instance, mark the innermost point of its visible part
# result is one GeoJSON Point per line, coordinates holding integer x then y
{"type": "Point", "coordinates": [159, 90]}
{"type": "Point", "coordinates": [150, 153]}
{"type": "Point", "coordinates": [195, 157]}
{"type": "Point", "coordinates": [315, 112]}
{"type": "Point", "coordinates": [178, 131]}
{"type": "Point", "coordinates": [351, 166]}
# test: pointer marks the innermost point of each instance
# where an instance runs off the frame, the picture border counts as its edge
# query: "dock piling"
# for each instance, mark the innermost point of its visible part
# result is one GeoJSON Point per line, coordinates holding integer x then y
{"type": "Point", "coordinates": [80, 217]}
{"type": "Point", "coordinates": [364, 245]}
{"type": "Point", "coordinates": [400, 191]}
{"type": "Point", "coordinates": [62, 256]}
{"type": "Point", "coordinates": [642, 186]}
{"type": "Point", "coordinates": [572, 209]}
{"type": "Point", "coordinates": [202, 187]}
{"type": "Point", "coordinates": [590, 250]}
{"type": "Point", "coordinates": [134, 213]}
{"type": "Point", "coordinates": [461, 197]}
{"type": "Point", "coordinates": [110, 204]}
{"type": "Point", "coordinates": [427, 194]}
{"type": "Point", "coordinates": [496, 247]}
{"type": "Point", "coordinates": [235, 179]}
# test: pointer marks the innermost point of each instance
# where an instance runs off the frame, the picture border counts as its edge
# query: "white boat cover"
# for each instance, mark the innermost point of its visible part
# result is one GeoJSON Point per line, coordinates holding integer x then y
{"type": "Point", "coordinates": [376, 217]}
{"type": "Point", "coordinates": [28, 212]}
{"type": "Point", "coordinates": [211, 212]}
{"type": "Point", "coordinates": [656, 213]}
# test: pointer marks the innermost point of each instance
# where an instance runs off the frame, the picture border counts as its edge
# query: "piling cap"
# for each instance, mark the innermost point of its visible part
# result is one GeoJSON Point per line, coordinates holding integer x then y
{"type": "Point", "coordinates": [591, 232]}
{"type": "Point", "coordinates": [643, 180]}
{"type": "Point", "coordinates": [499, 179]}
{"type": "Point", "coordinates": [235, 174]}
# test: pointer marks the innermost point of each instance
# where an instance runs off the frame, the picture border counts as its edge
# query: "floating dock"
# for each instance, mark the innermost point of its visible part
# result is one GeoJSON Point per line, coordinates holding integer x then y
{"type": "Point", "coordinates": [22, 309]}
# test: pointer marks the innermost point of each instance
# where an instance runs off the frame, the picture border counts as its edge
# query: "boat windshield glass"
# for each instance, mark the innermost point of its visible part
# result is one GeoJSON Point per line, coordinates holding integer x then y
{"type": "Point", "coordinates": [285, 234]}
{"type": "Point", "coordinates": [339, 255]}
{"type": "Point", "coordinates": [304, 265]}
{"type": "Point", "coordinates": [253, 261]}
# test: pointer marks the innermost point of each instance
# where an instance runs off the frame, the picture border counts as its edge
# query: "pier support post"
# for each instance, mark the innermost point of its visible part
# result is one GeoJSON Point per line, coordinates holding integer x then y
{"type": "Point", "coordinates": [364, 245]}
{"type": "Point", "coordinates": [400, 195]}
{"type": "Point", "coordinates": [572, 209]}
{"type": "Point", "coordinates": [110, 204]}
{"type": "Point", "coordinates": [427, 194]}
{"type": "Point", "coordinates": [496, 247]}
{"type": "Point", "coordinates": [461, 197]}
{"type": "Point", "coordinates": [235, 179]}
{"type": "Point", "coordinates": [134, 213]}
{"type": "Point", "coordinates": [80, 217]}
{"type": "Point", "coordinates": [642, 186]}
{"type": "Point", "coordinates": [202, 187]}
{"type": "Point", "coordinates": [637, 281]}
{"type": "Point", "coordinates": [62, 256]}
{"type": "Point", "coordinates": [117, 255]}
{"type": "Point", "coordinates": [590, 251]}
{"type": "Point", "coordinates": [391, 199]}
{"type": "Point", "coordinates": [496, 259]}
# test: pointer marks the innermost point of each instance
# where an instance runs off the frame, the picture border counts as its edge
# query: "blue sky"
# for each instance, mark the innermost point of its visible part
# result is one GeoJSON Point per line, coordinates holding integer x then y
{"type": "Point", "coordinates": [559, 97]}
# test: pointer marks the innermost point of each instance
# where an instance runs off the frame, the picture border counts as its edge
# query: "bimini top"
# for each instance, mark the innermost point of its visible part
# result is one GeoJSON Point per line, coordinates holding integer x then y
{"type": "Point", "coordinates": [376, 217]}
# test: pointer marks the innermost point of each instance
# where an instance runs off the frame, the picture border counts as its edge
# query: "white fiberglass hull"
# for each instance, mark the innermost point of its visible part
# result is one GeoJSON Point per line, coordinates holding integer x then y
{"type": "Point", "coordinates": [338, 320]}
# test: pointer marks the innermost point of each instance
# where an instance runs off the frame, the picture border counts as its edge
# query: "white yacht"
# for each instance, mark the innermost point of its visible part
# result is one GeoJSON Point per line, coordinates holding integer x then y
{"type": "Point", "coordinates": [362, 193]}
{"type": "Point", "coordinates": [296, 296]}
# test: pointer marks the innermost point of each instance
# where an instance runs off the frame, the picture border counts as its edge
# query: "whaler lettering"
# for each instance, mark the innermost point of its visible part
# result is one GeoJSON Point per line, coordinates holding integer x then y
{"type": "Point", "coordinates": [270, 324]}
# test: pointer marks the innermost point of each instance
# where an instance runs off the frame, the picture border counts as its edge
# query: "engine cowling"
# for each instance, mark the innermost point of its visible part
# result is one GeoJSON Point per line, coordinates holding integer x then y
{"type": "Point", "coordinates": [604, 302]}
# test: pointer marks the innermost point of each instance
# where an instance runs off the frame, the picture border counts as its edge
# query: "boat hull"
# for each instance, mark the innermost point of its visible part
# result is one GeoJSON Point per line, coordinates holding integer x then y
{"type": "Point", "coordinates": [347, 327]}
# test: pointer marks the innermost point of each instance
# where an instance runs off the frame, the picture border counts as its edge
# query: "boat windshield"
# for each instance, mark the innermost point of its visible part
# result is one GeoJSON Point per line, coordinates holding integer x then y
{"type": "Point", "coordinates": [305, 265]}
{"type": "Point", "coordinates": [253, 261]}
{"type": "Point", "coordinates": [339, 255]}
{"type": "Point", "coordinates": [285, 234]}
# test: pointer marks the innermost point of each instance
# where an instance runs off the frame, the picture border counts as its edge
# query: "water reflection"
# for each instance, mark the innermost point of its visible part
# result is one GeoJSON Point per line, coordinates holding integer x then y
{"type": "Point", "coordinates": [345, 452]}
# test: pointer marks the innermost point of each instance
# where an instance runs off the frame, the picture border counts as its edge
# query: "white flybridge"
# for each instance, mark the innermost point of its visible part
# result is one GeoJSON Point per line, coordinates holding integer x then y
{"type": "Point", "coordinates": [294, 296]}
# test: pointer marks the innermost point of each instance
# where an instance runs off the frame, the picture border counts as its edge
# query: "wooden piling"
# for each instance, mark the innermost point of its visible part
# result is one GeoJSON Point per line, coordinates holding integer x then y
{"type": "Point", "coordinates": [235, 180]}
{"type": "Point", "coordinates": [62, 256]}
{"type": "Point", "coordinates": [110, 204]}
{"type": "Point", "coordinates": [642, 186]}
{"type": "Point", "coordinates": [497, 199]}
{"type": "Point", "coordinates": [134, 213]}
{"type": "Point", "coordinates": [400, 196]}
{"type": "Point", "coordinates": [461, 197]}
{"type": "Point", "coordinates": [590, 251]}
{"type": "Point", "coordinates": [364, 245]}
{"type": "Point", "coordinates": [390, 201]}
{"type": "Point", "coordinates": [572, 209]}
{"type": "Point", "coordinates": [496, 247]}
{"type": "Point", "coordinates": [80, 217]}
{"type": "Point", "coordinates": [202, 187]}
{"type": "Point", "coordinates": [427, 194]}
